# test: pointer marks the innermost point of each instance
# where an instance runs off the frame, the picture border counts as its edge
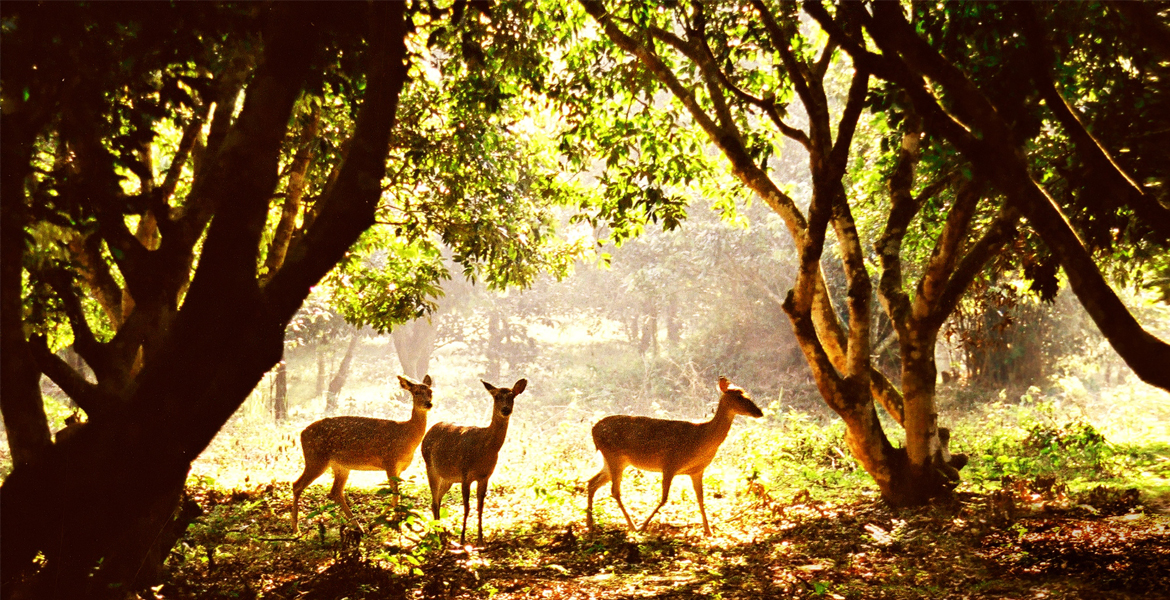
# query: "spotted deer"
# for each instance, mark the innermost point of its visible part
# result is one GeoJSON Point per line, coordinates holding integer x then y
{"type": "Point", "coordinates": [665, 446]}
{"type": "Point", "coordinates": [362, 444]}
{"type": "Point", "coordinates": [461, 453]}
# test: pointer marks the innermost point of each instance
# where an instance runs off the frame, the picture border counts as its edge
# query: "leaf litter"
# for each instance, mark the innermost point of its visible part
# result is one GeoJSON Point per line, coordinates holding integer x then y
{"type": "Point", "coordinates": [1100, 544]}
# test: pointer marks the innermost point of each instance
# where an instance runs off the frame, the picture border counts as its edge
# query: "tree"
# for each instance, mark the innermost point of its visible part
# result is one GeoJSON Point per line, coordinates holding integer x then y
{"type": "Point", "coordinates": [187, 266]}
{"type": "Point", "coordinates": [714, 60]}
{"type": "Point", "coordinates": [991, 132]}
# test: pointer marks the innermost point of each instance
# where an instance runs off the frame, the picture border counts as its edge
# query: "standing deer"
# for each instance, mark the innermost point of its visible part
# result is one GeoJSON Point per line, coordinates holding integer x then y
{"type": "Point", "coordinates": [666, 446]}
{"type": "Point", "coordinates": [455, 453]}
{"type": "Point", "coordinates": [362, 444]}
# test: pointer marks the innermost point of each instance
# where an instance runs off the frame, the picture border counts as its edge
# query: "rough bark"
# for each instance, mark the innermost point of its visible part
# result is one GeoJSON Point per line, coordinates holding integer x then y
{"type": "Point", "coordinates": [108, 491]}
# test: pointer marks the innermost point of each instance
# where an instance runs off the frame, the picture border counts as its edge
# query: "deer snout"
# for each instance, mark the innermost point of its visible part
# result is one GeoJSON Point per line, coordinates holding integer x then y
{"type": "Point", "coordinates": [428, 405]}
{"type": "Point", "coordinates": [506, 410]}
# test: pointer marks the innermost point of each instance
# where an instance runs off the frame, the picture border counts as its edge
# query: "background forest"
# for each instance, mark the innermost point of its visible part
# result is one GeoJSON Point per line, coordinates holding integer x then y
{"type": "Point", "coordinates": [928, 240]}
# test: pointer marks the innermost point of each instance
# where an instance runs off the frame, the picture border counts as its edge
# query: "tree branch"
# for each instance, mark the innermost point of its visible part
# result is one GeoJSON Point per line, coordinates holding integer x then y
{"type": "Point", "coordinates": [797, 72]}
{"type": "Point", "coordinates": [998, 159]}
{"type": "Point", "coordinates": [998, 234]}
{"type": "Point", "coordinates": [93, 268]}
{"type": "Point", "coordinates": [350, 206]}
{"type": "Point", "coordinates": [766, 105]}
{"type": "Point", "coordinates": [161, 198]}
{"type": "Point", "coordinates": [292, 200]}
{"type": "Point", "coordinates": [858, 90]}
{"type": "Point", "coordinates": [742, 165]}
{"type": "Point", "coordinates": [84, 341]}
{"type": "Point", "coordinates": [87, 395]}
{"type": "Point", "coordinates": [903, 208]}
{"type": "Point", "coordinates": [942, 260]}
{"type": "Point", "coordinates": [1091, 150]}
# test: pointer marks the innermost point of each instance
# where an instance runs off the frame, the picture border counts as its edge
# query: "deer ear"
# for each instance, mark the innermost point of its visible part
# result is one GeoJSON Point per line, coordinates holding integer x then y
{"type": "Point", "coordinates": [724, 384]}
{"type": "Point", "coordinates": [519, 387]}
{"type": "Point", "coordinates": [404, 382]}
{"type": "Point", "coordinates": [427, 380]}
{"type": "Point", "coordinates": [488, 386]}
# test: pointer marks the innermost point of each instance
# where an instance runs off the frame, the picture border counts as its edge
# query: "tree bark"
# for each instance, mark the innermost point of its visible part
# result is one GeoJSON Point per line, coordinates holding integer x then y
{"type": "Point", "coordinates": [107, 492]}
{"type": "Point", "coordinates": [294, 192]}
{"type": "Point", "coordinates": [20, 391]}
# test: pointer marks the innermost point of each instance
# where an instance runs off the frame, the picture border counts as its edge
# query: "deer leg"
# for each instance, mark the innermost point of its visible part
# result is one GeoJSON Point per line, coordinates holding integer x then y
{"type": "Point", "coordinates": [435, 482]}
{"type": "Point", "coordinates": [466, 489]}
{"type": "Point", "coordinates": [697, 482]}
{"type": "Point", "coordinates": [340, 476]}
{"type": "Point", "coordinates": [667, 477]}
{"type": "Point", "coordinates": [616, 492]}
{"type": "Point", "coordinates": [596, 482]}
{"type": "Point", "coordinates": [313, 470]}
{"type": "Point", "coordinates": [480, 494]}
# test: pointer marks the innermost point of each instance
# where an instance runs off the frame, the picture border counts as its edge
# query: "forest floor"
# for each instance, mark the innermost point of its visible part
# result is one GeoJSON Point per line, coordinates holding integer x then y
{"type": "Point", "coordinates": [1031, 539]}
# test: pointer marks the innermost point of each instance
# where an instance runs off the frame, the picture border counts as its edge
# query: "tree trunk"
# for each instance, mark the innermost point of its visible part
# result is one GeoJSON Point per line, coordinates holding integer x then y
{"type": "Point", "coordinates": [20, 391]}
{"type": "Point", "coordinates": [322, 367]}
{"type": "Point", "coordinates": [649, 341]}
{"type": "Point", "coordinates": [673, 326]}
{"type": "Point", "coordinates": [338, 380]}
{"type": "Point", "coordinates": [414, 343]}
{"type": "Point", "coordinates": [495, 344]}
{"type": "Point", "coordinates": [984, 138]}
{"type": "Point", "coordinates": [93, 507]}
{"type": "Point", "coordinates": [280, 393]}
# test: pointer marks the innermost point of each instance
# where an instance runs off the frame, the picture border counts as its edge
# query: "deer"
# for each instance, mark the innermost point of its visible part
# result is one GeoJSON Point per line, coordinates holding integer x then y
{"type": "Point", "coordinates": [362, 444]}
{"type": "Point", "coordinates": [465, 454]}
{"type": "Point", "coordinates": [666, 446]}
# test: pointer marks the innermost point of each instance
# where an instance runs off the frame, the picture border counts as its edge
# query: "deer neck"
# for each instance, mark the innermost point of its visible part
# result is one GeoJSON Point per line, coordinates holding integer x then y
{"type": "Point", "coordinates": [418, 419]}
{"type": "Point", "coordinates": [498, 430]}
{"type": "Point", "coordinates": [716, 429]}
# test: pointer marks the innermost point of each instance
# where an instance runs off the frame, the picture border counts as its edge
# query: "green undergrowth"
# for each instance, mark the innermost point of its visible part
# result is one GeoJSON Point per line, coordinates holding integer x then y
{"type": "Point", "coordinates": [793, 516]}
{"type": "Point", "coordinates": [1050, 436]}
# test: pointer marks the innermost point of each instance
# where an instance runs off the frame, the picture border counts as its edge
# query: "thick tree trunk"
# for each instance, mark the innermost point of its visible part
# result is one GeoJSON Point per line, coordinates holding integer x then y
{"type": "Point", "coordinates": [20, 391]}
{"type": "Point", "coordinates": [94, 505]}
